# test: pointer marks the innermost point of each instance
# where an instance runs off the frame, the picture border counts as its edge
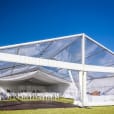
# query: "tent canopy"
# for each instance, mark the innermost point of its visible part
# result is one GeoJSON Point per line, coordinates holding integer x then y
{"type": "Point", "coordinates": [68, 49]}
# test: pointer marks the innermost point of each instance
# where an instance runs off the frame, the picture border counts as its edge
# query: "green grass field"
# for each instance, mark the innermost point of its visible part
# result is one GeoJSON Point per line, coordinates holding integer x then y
{"type": "Point", "coordinates": [92, 110]}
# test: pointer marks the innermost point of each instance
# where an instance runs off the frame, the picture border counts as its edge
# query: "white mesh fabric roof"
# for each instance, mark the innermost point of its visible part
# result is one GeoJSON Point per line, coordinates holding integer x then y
{"type": "Point", "coordinates": [96, 55]}
{"type": "Point", "coordinates": [61, 49]}
{"type": "Point", "coordinates": [64, 50]}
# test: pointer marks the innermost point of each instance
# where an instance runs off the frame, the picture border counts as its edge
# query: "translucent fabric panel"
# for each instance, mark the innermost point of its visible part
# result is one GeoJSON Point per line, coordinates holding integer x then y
{"type": "Point", "coordinates": [94, 75]}
{"type": "Point", "coordinates": [100, 87]}
{"type": "Point", "coordinates": [72, 53]}
{"type": "Point", "coordinates": [5, 72]}
{"type": "Point", "coordinates": [7, 64]}
{"type": "Point", "coordinates": [33, 67]}
{"type": "Point", "coordinates": [68, 50]}
{"type": "Point", "coordinates": [65, 74]}
{"type": "Point", "coordinates": [96, 55]}
{"type": "Point", "coordinates": [50, 49]}
{"type": "Point", "coordinates": [75, 75]}
{"type": "Point", "coordinates": [21, 68]}
{"type": "Point", "coordinates": [9, 50]}
{"type": "Point", "coordinates": [4, 65]}
{"type": "Point", "coordinates": [35, 50]}
{"type": "Point", "coordinates": [75, 85]}
{"type": "Point", "coordinates": [61, 73]}
{"type": "Point", "coordinates": [58, 47]}
{"type": "Point", "coordinates": [17, 68]}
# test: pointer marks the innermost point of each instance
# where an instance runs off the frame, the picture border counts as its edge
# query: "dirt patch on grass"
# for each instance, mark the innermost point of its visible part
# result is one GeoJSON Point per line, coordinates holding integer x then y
{"type": "Point", "coordinates": [21, 105]}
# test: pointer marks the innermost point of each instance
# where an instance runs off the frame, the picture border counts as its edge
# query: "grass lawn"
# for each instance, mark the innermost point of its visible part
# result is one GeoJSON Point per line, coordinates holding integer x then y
{"type": "Point", "coordinates": [92, 110]}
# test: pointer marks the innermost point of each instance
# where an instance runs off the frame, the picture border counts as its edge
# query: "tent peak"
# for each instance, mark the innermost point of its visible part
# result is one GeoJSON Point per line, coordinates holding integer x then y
{"type": "Point", "coordinates": [41, 41]}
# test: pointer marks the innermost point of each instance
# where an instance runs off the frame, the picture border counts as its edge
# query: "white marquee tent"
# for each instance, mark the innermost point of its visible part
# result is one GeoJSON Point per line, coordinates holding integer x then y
{"type": "Point", "coordinates": [75, 66]}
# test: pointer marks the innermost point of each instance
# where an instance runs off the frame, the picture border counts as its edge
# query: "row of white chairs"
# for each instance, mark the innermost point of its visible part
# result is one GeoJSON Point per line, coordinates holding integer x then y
{"type": "Point", "coordinates": [30, 95]}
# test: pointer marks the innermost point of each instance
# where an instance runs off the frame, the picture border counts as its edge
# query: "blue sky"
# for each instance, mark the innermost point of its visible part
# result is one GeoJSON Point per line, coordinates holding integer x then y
{"type": "Point", "coordinates": [29, 20]}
